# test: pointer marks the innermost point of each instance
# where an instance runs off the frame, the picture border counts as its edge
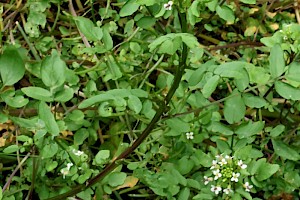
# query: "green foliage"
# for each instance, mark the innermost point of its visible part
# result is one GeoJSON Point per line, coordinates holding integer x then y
{"type": "Point", "coordinates": [149, 99]}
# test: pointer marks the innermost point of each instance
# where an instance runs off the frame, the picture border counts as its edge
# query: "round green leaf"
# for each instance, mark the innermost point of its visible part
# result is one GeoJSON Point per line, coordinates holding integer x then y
{"type": "Point", "coordinates": [129, 8]}
{"type": "Point", "coordinates": [116, 178]}
{"type": "Point", "coordinates": [146, 22]}
{"type": "Point", "coordinates": [135, 104]}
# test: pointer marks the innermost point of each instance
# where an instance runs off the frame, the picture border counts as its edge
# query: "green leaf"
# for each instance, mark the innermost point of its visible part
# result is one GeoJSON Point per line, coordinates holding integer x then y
{"type": "Point", "coordinates": [231, 69]}
{"type": "Point", "coordinates": [265, 170]}
{"type": "Point", "coordinates": [285, 151]}
{"type": "Point", "coordinates": [190, 40]}
{"type": "Point", "coordinates": [129, 8]}
{"type": "Point", "coordinates": [249, 1]}
{"type": "Point", "coordinates": [49, 150]}
{"type": "Point", "coordinates": [46, 115]}
{"type": "Point", "coordinates": [88, 29]}
{"type": "Point", "coordinates": [243, 82]}
{"type": "Point", "coordinates": [178, 125]}
{"type": "Point", "coordinates": [276, 60]}
{"type": "Point", "coordinates": [170, 46]}
{"type": "Point", "coordinates": [64, 95]}
{"type": "Point", "coordinates": [258, 75]}
{"type": "Point", "coordinates": [218, 127]}
{"type": "Point", "coordinates": [102, 157]}
{"type": "Point", "coordinates": [12, 67]}
{"type": "Point", "coordinates": [135, 104]}
{"type": "Point", "coordinates": [1, 194]}
{"type": "Point", "coordinates": [234, 109]}
{"type": "Point", "coordinates": [226, 13]}
{"type": "Point", "coordinates": [107, 40]}
{"type": "Point", "coordinates": [38, 93]}
{"type": "Point", "coordinates": [113, 68]}
{"type": "Point", "coordinates": [210, 86]}
{"type": "Point", "coordinates": [53, 70]}
{"type": "Point", "coordinates": [14, 101]}
{"type": "Point", "coordinates": [287, 91]}
{"type": "Point", "coordinates": [196, 54]}
{"type": "Point", "coordinates": [11, 149]}
{"type": "Point", "coordinates": [95, 99]}
{"type": "Point", "coordinates": [146, 2]}
{"type": "Point", "coordinates": [293, 73]}
{"type": "Point", "coordinates": [184, 165]}
{"type": "Point", "coordinates": [158, 41]}
{"type": "Point", "coordinates": [146, 22]}
{"type": "Point", "coordinates": [248, 129]}
{"type": "Point", "coordinates": [116, 178]}
{"type": "Point", "coordinates": [200, 158]}
{"type": "Point", "coordinates": [254, 101]}
{"type": "Point", "coordinates": [277, 130]}
{"type": "Point", "coordinates": [184, 194]}
{"type": "Point", "coordinates": [80, 136]}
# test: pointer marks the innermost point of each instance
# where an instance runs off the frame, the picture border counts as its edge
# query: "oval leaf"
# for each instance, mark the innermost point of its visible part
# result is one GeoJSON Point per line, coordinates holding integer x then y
{"type": "Point", "coordinates": [12, 67]}
{"type": "Point", "coordinates": [38, 93]}
{"type": "Point", "coordinates": [47, 116]}
{"type": "Point", "coordinates": [287, 91]}
{"type": "Point", "coordinates": [53, 70]}
{"type": "Point", "coordinates": [284, 150]}
{"type": "Point", "coordinates": [234, 109]}
{"type": "Point", "coordinates": [276, 60]}
{"type": "Point", "coordinates": [129, 8]}
{"type": "Point", "coordinates": [210, 86]}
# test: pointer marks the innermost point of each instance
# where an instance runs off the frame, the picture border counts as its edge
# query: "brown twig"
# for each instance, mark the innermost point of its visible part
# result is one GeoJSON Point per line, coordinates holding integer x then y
{"type": "Point", "coordinates": [14, 172]}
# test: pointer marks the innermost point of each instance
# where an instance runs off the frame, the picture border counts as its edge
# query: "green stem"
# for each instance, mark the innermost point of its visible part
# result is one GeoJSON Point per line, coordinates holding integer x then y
{"type": "Point", "coordinates": [33, 50]}
{"type": "Point", "coordinates": [146, 132]}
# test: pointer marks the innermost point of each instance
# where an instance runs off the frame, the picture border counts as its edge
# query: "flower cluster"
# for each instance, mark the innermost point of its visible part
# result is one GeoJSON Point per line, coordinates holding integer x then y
{"type": "Point", "coordinates": [226, 175]}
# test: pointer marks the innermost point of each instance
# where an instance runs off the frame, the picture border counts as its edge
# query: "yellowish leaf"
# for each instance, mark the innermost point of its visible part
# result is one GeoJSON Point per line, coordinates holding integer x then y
{"type": "Point", "coordinates": [130, 182]}
{"type": "Point", "coordinates": [66, 133]}
{"type": "Point", "coordinates": [250, 30]}
{"type": "Point", "coordinates": [2, 142]}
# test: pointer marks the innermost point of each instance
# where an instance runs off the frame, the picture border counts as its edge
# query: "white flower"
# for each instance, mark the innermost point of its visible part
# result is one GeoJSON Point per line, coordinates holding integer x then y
{"type": "Point", "coordinates": [214, 164]}
{"type": "Point", "coordinates": [69, 165]}
{"type": "Point", "coordinates": [235, 176]}
{"type": "Point", "coordinates": [168, 6]}
{"type": "Point", "coordinates": [227, 190]}
{"type": "Point", "coordinates": [219, 157]}
{"type": "Point", "coordinates": [207, 180]}
{"type": "Point", "coordinates": [217, 174]}
{"type": "Point", "coordinates": [241, 164]}
{"type": "Point", "coordinates": [64, 172]}
{"type": "Point", "coordinates": [77, 153]}
{"type": "Point", "coordinates": [216, 189]}
{"type": "Point", "coordinates": [189, 135]}
{"type": "Point", "coordinates": [248, 187]}
{"type": "Point", "coordinates": [229, 157]}
{"type": "Point", "coordinates": [223, 162]}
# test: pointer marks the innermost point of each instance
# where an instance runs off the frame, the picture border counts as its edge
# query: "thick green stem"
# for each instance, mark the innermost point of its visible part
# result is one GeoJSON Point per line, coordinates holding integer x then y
{"type": "Point", "coordinates": [146, 132]}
